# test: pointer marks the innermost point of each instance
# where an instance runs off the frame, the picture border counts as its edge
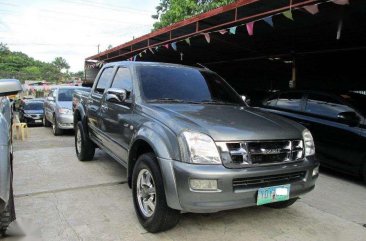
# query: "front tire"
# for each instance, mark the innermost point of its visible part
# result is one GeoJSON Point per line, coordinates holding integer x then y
{"type": "Point", "coordinates": [46, 123]}
{"type": "Point", "coordinates": [85, 148]}
{"type": "Point", "coordinates": [282, 204]}
{"type": "Point", "coordinates": [149, 196]}
{"type": "Point", "coordinates": [55, 129]}
{"type": "Point", "coordinates": [8, 215]}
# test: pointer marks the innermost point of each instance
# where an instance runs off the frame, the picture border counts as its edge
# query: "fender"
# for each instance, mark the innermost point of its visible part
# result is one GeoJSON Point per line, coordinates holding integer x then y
{"type": "Point", "coordinates": [161, 139]}
{"type": "Point", "coordinates": [166, 148]}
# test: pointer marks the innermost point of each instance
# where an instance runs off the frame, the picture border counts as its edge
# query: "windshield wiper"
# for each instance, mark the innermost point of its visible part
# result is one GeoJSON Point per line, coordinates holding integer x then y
{"type": "Point", "coordinates": [167, 100]}
{"type": "Point", "coordinates": [217, 102]}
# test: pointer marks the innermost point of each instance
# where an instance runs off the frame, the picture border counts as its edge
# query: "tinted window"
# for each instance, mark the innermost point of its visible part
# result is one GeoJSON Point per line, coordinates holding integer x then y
{"type": "Point", "coordinates": [185, 84]}
{"type": "Point", "coordinates": [123, 80]}
{"type": "Point", "coordinates": [104, 80]}
{"type": "Point", "coordinates": [290, 101]}
{"type": "Point", "coordinates": [65, 94]}
{"type": "Point", "coordinates": [33, 106]}
{"type": "Point", "coordinates": [356, 100]}
{"type": "Point", "coordinates": [325, 105]}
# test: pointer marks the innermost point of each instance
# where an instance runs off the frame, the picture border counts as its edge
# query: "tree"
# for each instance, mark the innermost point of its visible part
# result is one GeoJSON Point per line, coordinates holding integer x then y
{"type": "Point", "coordinates": [20, 66]}
{"type": "Point", "coordinates": [172, 11]}
{"type": "Point", "coordinates": [61, 64]}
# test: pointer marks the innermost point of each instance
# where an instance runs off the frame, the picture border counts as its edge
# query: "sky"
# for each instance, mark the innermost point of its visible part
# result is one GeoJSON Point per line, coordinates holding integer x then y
{"type": "Point", "coordinates": [72, 29]}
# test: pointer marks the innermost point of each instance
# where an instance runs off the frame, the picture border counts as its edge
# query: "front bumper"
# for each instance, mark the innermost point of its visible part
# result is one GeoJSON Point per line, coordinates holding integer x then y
{"type": "Point", "coordinates": [180, 196]}
{"type": "Point", "coordinates": [34, 119]}
{"type": "Point", "coordinates": [65, 121]}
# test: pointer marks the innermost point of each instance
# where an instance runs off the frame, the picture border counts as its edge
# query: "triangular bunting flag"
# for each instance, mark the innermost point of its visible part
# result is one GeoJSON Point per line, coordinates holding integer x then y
{"type": "Point", "coordinates": [166, 46]}
{"type": "Point", "coordinates": [157, 48]}
{"type": "Point", "coordinates": [145, 51]}
{"type": "Point", "coordinates": [207, 37]}
{"type": "Point", "coordinates": [313, 9]}
{"type": "Point", "coordinates": [288, 14]}
{"type": "Point", "coordinates": [140, 54]}
{"type": "Point", "coordinates": [223, 31]}
{"type": "Point", "coordinates": [134, 58]}
{"type": "Point", "coordinates": [341, 2]}
{"type": "Point", "coordinates": [174, 46]}
{"type": "Point", "coordinates": [250, 28]}
{"type": "Point", "coordinates": [151, 51]}
{"type": "Point", "coordinates": [268, 20]}
{"type": "Point", "coordinates": [232, 30]}
{"type": "Point", "coordinates": [188, 41]}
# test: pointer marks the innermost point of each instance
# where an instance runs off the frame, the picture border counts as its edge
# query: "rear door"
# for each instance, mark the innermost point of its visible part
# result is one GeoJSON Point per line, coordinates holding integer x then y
{"type": "Point", "coordinates": [338, 145]}
{"type": "Point", "coordinates": [95, 99]}
{"type": "Point", "coordinates": [116, 117]}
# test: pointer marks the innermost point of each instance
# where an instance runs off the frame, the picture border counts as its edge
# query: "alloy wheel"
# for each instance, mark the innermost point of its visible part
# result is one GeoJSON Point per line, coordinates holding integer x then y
{"type": "Point", "coordinates": [78, 140]}
{"type": "Point", "coordinates": [146, 193]}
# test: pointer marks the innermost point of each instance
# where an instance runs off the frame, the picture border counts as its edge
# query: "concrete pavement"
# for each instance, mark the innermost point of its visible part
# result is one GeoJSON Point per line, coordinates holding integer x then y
{"type": "Point", "coordinates": [65, 199]}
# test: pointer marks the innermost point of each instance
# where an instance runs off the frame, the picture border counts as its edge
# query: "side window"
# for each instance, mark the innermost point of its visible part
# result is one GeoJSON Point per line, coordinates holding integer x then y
{"type": "Point", "coordinates": [123, 80]}
{"type": "Point", "coordinates": [290, 101]}
{"type": "Point", "coordinates": [325, 106]}
{"type": "Point", "coordinates": [104, 80]}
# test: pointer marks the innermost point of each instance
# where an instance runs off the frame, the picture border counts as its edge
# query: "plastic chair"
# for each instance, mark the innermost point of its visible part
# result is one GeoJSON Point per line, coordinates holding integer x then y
{"type": "Point", "coordinates": [20, 130]}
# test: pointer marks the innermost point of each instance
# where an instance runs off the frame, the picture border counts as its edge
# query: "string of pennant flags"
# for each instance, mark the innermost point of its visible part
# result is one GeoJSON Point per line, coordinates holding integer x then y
{"type": "Point", "coordinates": [312, 9]}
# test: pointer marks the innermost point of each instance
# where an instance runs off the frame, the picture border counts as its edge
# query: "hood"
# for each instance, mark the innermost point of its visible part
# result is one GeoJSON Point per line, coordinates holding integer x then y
{"type": "Point", "coordinates": [33, 111]}
{"type": "Point", "coordinates": [224, 122]}
{"type": "Point", "coordinates": [65, 104]}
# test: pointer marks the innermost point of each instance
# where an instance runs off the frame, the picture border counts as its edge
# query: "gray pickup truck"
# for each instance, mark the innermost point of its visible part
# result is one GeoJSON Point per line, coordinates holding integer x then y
{"type": "Point", "coordinates": [7, 211]}
{"type": "Point", "coordinates": [190, 143]}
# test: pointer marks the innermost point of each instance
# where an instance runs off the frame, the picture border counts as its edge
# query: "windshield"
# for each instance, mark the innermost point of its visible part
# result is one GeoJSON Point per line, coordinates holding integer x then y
{"type": "Point", "coordinates": [66, 94]}
{"type": "Point", "coordinates": [33, 106]}
{"type": "Point", "coordinates": [167, 83]}
{"type": "Point", "coordinates": [356, 100]}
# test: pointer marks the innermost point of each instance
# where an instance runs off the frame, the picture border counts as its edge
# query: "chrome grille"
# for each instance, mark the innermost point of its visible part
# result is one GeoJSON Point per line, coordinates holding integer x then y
{"type": "Point", "coordinates": [254, 153]}
{"type": "Point", "coordinates": [251, 182]}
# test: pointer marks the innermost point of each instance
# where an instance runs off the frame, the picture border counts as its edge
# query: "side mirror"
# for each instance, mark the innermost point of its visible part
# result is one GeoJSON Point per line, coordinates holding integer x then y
{"type": "Point", "coordinates": [10, 87]}
{"type": "Point", "coordinates": [116, 95]}
{"type": "Point", "coordinates": [349, 117]}
{"type": "Point", "coordinates": [50, 98]}
{"type": "Point", "coordinates": [245, 99]}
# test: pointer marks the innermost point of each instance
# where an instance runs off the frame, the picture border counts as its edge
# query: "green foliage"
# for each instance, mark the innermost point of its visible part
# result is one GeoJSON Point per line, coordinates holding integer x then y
{"type": "Point", "coordinates": [61, 63]}
{"type": "Point", "coordinates": [172, 11]}
{"type": "Point", "coordinates": [20, 66]}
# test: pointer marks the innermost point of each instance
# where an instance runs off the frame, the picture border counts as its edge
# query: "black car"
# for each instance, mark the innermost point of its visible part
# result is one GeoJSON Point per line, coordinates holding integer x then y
{"type": "Point", "coordinates": [32, 111]}
{"type": "Point", "coordinates": [337, 121]}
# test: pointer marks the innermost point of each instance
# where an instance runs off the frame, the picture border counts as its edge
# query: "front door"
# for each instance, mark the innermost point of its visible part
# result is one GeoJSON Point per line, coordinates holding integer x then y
{"type": "Point", "coordinates": [337, 144]}
{"type": "Point", "coordinates": [116, 117]}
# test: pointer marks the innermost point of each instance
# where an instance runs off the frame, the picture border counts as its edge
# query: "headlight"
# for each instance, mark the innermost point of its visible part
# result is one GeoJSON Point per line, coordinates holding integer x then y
{"type": "Point", "coordinates": [64, 111]}
{"type": "Point", "coordinates": [198, 148]}
{"type": "Point", "coordinates": [309, 143]}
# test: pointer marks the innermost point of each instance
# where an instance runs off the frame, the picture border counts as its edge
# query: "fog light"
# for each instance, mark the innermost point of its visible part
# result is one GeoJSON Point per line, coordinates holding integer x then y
{"type": "Point", "coordinates": [203, 185]}
{"type": "Point", "coordinates": [316, 171]}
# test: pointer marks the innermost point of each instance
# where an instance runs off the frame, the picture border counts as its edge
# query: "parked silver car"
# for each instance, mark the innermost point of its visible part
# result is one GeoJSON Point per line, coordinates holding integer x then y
{"type": "Point", "coordinates": [58, 108]}
{"type": "Point", "coordinates": [7, 211]}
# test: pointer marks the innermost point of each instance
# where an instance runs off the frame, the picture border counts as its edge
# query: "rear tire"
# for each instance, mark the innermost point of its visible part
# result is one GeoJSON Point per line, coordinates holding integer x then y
{"type": "Point", "coordinates": [161, 217]}
{"type": "Point", "coordinates": [85, 148]}
{"type": "Point", "coordinates": [283, 204]}
{"type": "Point", "coordinates": [46, 123]}
{"type": "Point", "coordinates": [55, 129]}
